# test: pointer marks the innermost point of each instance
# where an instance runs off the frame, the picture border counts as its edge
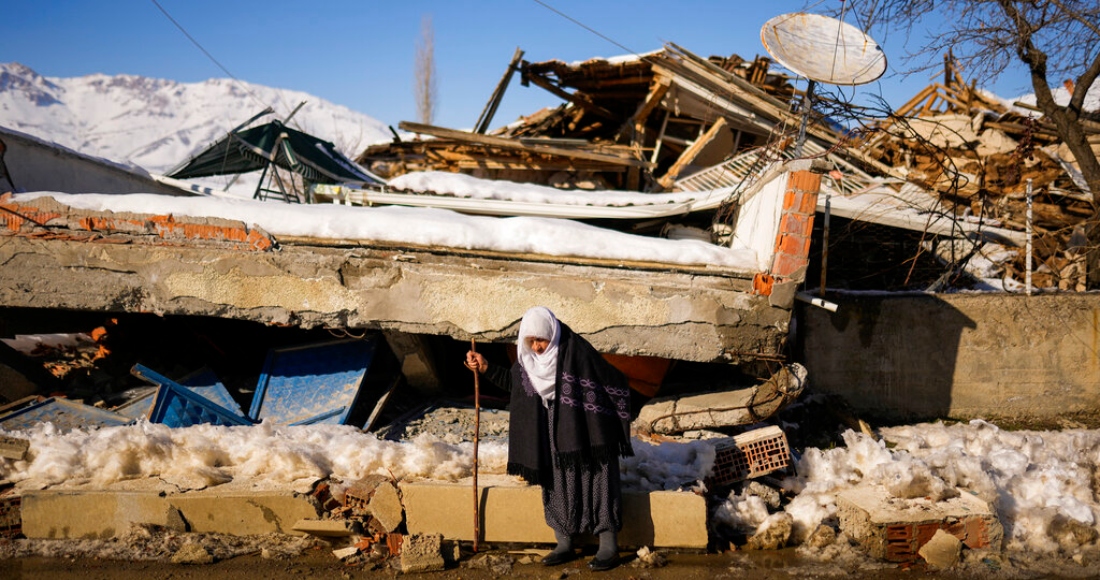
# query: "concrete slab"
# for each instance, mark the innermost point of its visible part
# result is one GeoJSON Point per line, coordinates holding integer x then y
{"type": "Point", "coordinates": [697, 313]}
{"type": "Point", "coordinates": [895, 529]}
{"type": "Point", "coordinates": [667, 415]}
{"type": "Point", "coordinates": [667, 519]}
{"type": "Point", "coordinates": [73, 514]}
{"type": "Point", "coordinates": [104, 514]}
{"type": "Point", "coordinates": [14, 447]}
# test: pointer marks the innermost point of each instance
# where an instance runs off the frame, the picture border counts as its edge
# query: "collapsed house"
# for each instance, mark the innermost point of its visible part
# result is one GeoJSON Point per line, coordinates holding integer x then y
{"type": "Point", "coordinates": [933, 190]}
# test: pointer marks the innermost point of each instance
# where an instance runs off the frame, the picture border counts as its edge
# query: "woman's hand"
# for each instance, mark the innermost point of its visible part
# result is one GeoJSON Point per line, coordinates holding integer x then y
{"type": "Point", "coordinates": [474, 361]}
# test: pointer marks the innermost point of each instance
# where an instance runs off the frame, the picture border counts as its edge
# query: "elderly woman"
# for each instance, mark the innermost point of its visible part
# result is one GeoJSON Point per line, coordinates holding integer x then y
{"type": "Point", "coordinates": [569, 424]}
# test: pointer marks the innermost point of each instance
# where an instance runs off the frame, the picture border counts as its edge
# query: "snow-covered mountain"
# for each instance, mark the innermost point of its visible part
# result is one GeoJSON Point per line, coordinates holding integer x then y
{"type": "Point", "coordinates": [156, 124]}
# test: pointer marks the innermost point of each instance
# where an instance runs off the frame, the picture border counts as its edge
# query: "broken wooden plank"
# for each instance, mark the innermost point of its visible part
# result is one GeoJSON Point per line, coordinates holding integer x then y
{"type": "Point", "coordinates": [579, 100]}
{"type": "Point", "coordinates": [490, 109]}
{"type": "Point", "coordinates": [514, 144]}
{"type": "Point", "coordinates": [708, 139]}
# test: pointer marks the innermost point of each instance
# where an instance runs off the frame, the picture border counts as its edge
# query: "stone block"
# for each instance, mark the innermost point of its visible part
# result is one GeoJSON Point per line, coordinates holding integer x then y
{"type": "Point", "coordinates": [385, 507]}
{"type": "Point", "coordinates": [89, 515]}
{"type": "Point", "coordinates": [13, 447]}
{"type": "Point", "coordinates": [358, 495]}
{"type": "Point", "coordinates": [106, 514]}
{"type": "Point", "coordinates": [669, 519]}
{"type": "Point", "coordinates": [942, 551]}
{"type": "Point", "coordinates": [422, 553]}
{"type": "Point", "coordinates": [895, 529]}
{"type": "Point", "coordinates": [244, 513]}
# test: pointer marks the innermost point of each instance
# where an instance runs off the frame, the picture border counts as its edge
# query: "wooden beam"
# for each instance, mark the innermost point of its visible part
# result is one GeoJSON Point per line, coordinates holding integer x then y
{"type": "Point", "coordinates": [657, 90]}
{"type": "Point", "coordinates": [693, 151]}
{"type": "Point", "coordinates": [494, 101]}
{"type": "Point", "coordinates": [578, 100]}
{"type": "Point", "coordinates": [505, 143]}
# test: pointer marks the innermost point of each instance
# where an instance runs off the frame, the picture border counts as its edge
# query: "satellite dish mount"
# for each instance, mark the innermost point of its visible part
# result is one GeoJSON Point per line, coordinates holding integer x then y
{"type": "Point", "coordinates": [822, 49]}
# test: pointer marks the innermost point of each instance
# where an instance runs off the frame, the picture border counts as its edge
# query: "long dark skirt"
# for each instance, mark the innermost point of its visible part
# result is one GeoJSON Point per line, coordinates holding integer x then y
{"type": "Point", "coordinates": [583, 499]}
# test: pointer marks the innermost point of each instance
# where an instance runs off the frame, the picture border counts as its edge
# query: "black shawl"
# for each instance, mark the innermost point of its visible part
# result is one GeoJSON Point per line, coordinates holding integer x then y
{"type": "Point", "coordinates": [591, 410]}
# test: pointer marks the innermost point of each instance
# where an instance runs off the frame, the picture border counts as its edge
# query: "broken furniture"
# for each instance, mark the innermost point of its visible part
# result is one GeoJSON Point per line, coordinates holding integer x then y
{"type": "Point", "coordinates": [300, 385]}
{"type": "Point", "coordinates": [176, 405]}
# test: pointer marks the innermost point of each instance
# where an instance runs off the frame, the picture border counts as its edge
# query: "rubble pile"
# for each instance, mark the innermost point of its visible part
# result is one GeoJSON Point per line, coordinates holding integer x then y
{"type": "Point", "coordinates": [980, 156]}
{"type": "Point", "coordinates": [672, 121]}
{"type": "Point", "coordinates": [630, 123]}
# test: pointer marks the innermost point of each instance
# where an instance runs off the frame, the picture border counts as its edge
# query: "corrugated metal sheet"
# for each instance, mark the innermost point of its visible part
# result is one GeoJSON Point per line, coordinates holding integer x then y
{"type": "Point", "coordinates": [66, 415]}
{"type": "Point", "coordinates": [310, 384]}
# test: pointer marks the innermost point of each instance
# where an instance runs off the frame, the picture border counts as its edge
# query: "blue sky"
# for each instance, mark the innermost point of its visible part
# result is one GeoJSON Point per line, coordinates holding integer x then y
{"type": "Point", "coordinates": [360, 54]}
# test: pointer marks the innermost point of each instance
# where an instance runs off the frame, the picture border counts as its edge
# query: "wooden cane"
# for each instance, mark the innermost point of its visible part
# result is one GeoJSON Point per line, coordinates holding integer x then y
{"type": "Point", "coordinates": [477, 430]}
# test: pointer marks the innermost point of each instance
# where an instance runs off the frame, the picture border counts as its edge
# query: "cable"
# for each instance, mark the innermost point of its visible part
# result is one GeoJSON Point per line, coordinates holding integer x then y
{"type": "Point", "coordinates": [584, 26]}
{"type": "Point", "coordinates": [239, 82]}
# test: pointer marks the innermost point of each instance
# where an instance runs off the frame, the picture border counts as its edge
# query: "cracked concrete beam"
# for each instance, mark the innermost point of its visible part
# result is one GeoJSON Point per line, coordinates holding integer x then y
{"type": "Point", "coordinates": [696, 316]}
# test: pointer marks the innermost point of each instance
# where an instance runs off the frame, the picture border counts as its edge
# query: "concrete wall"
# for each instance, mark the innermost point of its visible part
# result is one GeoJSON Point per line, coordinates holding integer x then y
{"type": "Point", "coordinates": [36, 165]}
{"type": "Point", "coordinates": [957, 355]}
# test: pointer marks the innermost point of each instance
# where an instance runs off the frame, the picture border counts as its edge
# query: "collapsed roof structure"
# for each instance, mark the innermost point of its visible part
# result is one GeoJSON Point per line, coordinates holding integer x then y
{"type": "Point", "coordinates": [635, 123]}
{"type": "Point", "coordinates": [950, 166]}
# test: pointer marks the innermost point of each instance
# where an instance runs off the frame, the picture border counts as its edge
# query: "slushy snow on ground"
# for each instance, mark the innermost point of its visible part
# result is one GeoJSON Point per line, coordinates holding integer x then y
{"type": "Point", "coordinates": [1041, 484]}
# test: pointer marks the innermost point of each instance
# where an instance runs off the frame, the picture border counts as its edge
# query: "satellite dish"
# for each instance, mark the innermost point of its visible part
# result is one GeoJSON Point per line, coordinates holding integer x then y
{"type": "Point", "coordinates": [823, 49]}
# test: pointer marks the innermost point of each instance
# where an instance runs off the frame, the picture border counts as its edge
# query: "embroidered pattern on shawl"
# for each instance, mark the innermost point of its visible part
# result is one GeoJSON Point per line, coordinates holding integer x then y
{"type": "Point", "coordinates": [592, 412]}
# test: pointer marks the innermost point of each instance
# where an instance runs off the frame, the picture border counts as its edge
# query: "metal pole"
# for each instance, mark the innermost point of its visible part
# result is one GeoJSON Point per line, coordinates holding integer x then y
{"type": "Point", "coordinates": [807, 103]}
{"type": "Point", "coordinates": [477, 429]}
{"type": "Point", "coordinates": [1027, 255]}
{"type": "Point", "coordinates": [825, 245]}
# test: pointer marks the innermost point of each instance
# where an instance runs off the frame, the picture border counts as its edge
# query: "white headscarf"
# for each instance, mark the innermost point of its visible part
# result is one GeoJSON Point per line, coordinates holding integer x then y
{"type": "Point", "coordinates": [539, 322]}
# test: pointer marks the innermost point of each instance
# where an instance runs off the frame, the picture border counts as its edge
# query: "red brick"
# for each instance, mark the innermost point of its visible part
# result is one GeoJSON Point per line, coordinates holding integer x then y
{"type": "Point", "coordinates": [809, 203]}
{"type": "Point", "coordinates": [792, 244]}
{"type": "Point", "coordinates": [785, 265]}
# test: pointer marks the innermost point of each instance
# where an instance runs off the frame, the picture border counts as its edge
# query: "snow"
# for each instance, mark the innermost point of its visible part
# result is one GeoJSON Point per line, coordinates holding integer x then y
{"type": "Point", "coordinates": [424, 227]}
{"type": "Point", "coordinates": [462, 185]}
{"type": "Point", "coordinates": [157, 124]}
{"type": "Point", "coordinates": [1036, 481]}
{"type": "Point", "coordinates": [1062, 95]}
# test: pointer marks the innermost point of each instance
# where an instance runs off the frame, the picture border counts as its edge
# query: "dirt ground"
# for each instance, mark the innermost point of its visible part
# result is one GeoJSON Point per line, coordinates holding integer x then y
{"type": "Point", "coordinates": [493, 562]}
{"type": "Point", "coordinates": [322, 565]}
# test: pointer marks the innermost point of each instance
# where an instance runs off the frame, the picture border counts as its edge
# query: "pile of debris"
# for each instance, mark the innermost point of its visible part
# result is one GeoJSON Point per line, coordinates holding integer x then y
{"type": "Point", "coordinates": [672, 121]}
{"type": "Point", "coordinates": [633, 123]}
{"type": "Point", "coordinates": [982, 157]}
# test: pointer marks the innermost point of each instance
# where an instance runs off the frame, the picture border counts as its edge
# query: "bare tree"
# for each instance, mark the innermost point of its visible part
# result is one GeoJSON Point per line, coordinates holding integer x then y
{"type": "Point", "coordinates": [425, 79]}
{"type": "Point", "coordinates": [1056, 41]}
{"type": "Point", "coordinates": [1053, 39]}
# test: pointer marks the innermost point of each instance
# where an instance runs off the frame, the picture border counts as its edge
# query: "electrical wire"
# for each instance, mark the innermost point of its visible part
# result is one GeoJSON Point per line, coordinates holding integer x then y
{"type": "Point", "coordinates": [584, 26]}
{"type": "Point", "coordinates": [206, 52]}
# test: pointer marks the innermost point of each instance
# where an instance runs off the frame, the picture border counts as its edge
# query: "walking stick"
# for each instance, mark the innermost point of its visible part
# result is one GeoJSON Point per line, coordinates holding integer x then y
{"type": "Point", "coordinates": [477, 430]}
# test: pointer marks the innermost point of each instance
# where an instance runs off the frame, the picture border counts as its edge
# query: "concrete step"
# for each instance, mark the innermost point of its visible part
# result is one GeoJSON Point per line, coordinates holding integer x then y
{"type": "Point", "coordinates": [508, 513]}
{"type": "Point", "coordinates": [665, 519]}
{"type": "Point", "coordinates": [105, 514]}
